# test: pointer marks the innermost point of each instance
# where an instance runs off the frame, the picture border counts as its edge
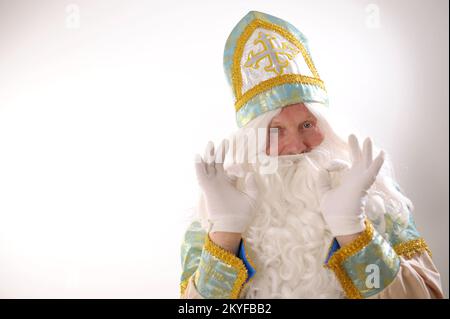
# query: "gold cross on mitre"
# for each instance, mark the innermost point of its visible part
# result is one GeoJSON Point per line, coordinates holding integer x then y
{"type": "Point", "coordinates": [272, 52]}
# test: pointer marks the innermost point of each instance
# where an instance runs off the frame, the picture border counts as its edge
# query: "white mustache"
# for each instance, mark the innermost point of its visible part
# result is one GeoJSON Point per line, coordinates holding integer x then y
{"type": "Point", "coordinates": [312, 158]}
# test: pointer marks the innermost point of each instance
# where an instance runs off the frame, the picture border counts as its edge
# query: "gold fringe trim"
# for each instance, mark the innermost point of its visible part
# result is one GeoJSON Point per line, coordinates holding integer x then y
{"type": "Point", "coordinates": [231, 260]}
{"type": "Point", "coordinates": [270, 83]}
{"type": "Point", "coordinates": [236, 75]}
{"type": "Point", "coordinates": [183, 286]}
{"type": "Point", "coordinates": [335, 262]}
{"type": "Point", "coordinates": [409, 248]}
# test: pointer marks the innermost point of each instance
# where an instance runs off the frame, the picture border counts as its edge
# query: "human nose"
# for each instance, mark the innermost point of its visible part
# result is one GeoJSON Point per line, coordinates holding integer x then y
{"type": "Point", "coordinates": [295, 145]}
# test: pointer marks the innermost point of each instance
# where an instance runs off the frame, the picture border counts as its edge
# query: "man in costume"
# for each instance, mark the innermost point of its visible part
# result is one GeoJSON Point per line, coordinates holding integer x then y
{"type": "Point", "coordinates": [290, 209]}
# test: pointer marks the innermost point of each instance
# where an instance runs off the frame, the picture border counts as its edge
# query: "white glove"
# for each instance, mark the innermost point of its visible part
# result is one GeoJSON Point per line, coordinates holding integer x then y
{"type": "Point", "coordinates": [229, 210]}
{"type": "Point", "coordinates": [343, 206]}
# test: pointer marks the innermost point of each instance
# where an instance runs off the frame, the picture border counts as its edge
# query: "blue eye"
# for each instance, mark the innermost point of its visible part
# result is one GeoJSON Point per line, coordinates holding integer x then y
{"type": "Point", "coordinates": [307, 125]}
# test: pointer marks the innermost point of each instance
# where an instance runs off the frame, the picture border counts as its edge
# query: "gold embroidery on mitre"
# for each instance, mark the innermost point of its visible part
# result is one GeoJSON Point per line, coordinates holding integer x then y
{"type": "Point", "coordinates": [272, 53]}
{"type": "Point", "coordinates": [236, 75]}
{"type": "Point", "coordinates": [279, 80]}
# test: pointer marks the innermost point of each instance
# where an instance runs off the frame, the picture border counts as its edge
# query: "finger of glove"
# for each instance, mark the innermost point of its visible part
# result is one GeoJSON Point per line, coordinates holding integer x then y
{"type": "Point", "coordinates": [209, 158]}
{"type": "Point", "coordinates": [200, 168]}
{"type": "Point", "coordinates": [367, 153]}
{"type": "Point", "coordinates": [354, 148]}
{"type": "Point", "coordinates": [245, 150]}
{"type": "Point", "coordinates": [374, 169]}
{"type": "Point", "coordinates": [220, 155]}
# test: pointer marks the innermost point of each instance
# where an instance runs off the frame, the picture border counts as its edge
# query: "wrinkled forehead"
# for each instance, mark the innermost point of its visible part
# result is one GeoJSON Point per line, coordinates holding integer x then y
{"type": "Point", "coordinates": [292, 113]}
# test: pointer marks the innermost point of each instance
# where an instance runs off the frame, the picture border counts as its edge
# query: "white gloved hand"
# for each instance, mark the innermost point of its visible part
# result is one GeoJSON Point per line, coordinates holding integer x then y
{"type": "Point", "coordinates": [343, 206]}
{"type": "Point", "coordinates": [229, 210]}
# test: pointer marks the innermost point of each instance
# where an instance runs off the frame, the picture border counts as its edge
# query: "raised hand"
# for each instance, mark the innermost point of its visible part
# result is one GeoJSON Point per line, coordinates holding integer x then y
{"type": "Point", "coordinates": [343, 206]}
{"type": "Point", "coordinates": [229, 210]}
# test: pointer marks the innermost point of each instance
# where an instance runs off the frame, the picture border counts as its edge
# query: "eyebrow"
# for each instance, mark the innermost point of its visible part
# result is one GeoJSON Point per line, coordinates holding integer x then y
{"type": "Point", "coordinates": [310, 117]}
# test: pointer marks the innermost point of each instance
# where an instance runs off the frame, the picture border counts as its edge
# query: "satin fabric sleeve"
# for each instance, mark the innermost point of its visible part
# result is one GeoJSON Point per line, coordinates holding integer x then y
{"type": "Point", "coordinates": [209, 271]}
{"type": "Point", "coordinates": [417, 278]}
{"type": "Point", "coordinates": [371, 267]}
{"type": "Point", "coordinates": [190, 291]}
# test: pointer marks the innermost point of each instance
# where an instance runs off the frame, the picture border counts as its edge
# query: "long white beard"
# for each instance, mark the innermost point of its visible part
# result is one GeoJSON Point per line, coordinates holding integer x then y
{"type": "Point", "coordinates": [288, 240]}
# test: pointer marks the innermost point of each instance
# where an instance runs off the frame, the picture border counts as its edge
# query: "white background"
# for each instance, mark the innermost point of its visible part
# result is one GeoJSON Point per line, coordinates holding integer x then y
{"type": "Point", "coordinates": [103, 105]}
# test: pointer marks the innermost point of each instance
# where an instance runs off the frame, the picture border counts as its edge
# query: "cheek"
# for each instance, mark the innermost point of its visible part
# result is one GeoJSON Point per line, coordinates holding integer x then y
{"type": "Point", "coordinates": [282, 142]}
{"type": "Point", "coordinates": [315, 137]}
